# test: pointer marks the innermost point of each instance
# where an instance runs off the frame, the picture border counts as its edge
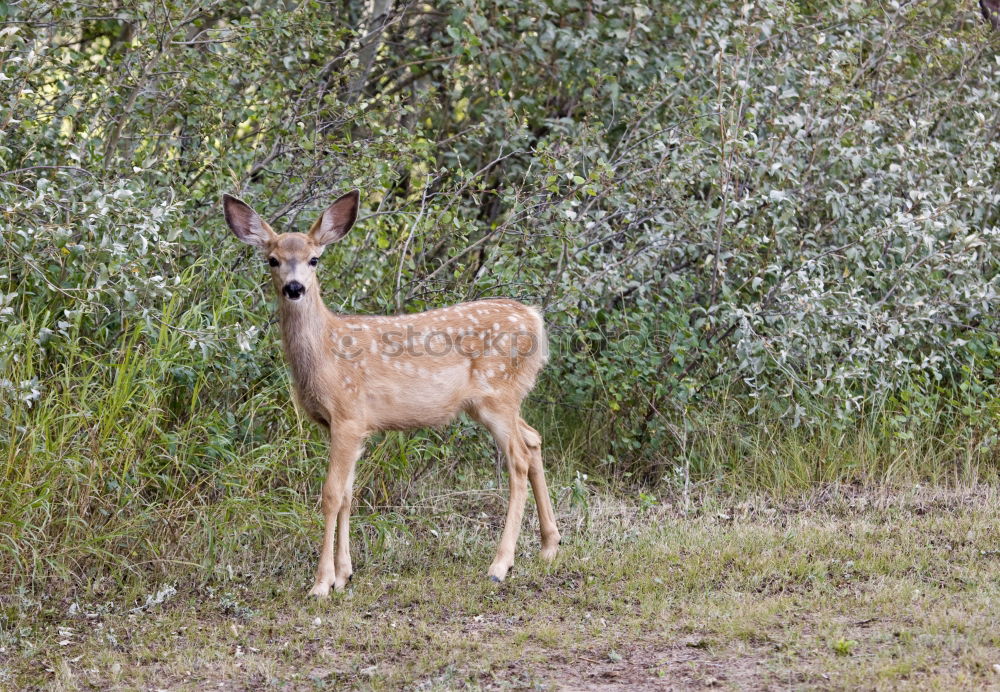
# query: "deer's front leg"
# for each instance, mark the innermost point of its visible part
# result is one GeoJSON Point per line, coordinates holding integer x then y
{"type": "Point", "coordinates": [343, 559]}
{"type": "Point", "coordinates": [335, 568]}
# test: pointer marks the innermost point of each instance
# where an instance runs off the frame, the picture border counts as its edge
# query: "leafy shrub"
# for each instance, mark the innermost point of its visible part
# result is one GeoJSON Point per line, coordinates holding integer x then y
{"type": "Point", "coordinates": [734, 214]}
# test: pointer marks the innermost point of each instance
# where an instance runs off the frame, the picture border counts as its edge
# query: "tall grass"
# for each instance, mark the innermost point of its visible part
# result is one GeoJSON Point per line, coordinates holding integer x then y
{"type": "Point", "coordinates": [725, 445]}
{"type": "Point", "coordinates": [137, 460]}
{"type": "Point", "coordinates": [141, 455]}
{"type": "Point", "coordinates": [126, 467]}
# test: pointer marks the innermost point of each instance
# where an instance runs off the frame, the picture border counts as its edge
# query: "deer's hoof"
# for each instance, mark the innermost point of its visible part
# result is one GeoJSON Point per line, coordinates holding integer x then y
{"type": "Point", "coordinates": [498, 572]}
{"type": "Point", "coordinates": [320, 591]}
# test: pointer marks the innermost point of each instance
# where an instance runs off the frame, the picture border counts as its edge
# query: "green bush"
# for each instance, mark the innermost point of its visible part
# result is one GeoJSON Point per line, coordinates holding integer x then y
{"type": "Point", "coordinates": [749, 224]}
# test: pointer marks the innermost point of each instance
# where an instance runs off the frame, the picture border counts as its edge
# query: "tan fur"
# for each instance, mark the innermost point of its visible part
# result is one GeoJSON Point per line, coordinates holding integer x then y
{"type": "Point", "coordinates": [359, 374]}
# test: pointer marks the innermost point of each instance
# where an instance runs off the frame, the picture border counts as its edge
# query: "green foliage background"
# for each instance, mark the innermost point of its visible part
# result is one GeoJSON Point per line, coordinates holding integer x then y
{"type": "Point", "coordinates": [765, 236]}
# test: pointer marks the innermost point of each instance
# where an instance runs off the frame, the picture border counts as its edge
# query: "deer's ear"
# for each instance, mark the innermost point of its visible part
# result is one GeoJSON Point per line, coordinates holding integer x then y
{"type": "Point", "coordinates": [245, 223]}
{"type": "Point", "coordinates": [334, 223]}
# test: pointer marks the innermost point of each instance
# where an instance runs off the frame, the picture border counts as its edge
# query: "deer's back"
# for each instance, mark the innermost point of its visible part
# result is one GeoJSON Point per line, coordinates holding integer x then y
{"type": "Point", "coordinates": [422, 369]}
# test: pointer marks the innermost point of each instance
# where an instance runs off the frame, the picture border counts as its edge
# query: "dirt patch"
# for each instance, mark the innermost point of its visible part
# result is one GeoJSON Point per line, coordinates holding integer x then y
{"type": "Point", "coordinates": [684, 665]}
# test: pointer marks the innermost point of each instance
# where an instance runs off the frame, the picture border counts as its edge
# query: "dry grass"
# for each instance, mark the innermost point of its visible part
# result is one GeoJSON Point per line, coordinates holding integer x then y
{"type": "Point", "coordinates": [840, 589]}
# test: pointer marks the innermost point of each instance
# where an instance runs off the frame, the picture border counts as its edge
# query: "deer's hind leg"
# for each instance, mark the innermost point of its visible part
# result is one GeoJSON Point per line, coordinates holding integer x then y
{"type": "Point", "coordinates": [502, 420]}
{"type": "Point", "coordinates": [536, 475]}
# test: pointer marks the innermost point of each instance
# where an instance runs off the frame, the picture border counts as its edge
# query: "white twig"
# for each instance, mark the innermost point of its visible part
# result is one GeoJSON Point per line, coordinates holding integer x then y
{"type": "Point", "coordinates": [406, 245]}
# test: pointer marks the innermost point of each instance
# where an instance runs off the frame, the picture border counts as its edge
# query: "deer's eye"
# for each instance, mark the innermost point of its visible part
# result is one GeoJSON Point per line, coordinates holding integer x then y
{"type": "Point", "coordinates": [273, 261]}
{"type": "Point", "coordinates": [314, 261]}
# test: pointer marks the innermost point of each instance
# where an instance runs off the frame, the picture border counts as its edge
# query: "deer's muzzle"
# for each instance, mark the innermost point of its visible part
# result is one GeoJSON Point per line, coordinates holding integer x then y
{"type": "Point", "coordinates": [293, 290]}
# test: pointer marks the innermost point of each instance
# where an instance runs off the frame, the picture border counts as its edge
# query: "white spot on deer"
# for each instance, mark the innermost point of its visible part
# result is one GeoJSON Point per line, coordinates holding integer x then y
{"type": "Point", "coordinates": [496, 326]}
{"type": "Point", "coordinates": [511, 318]}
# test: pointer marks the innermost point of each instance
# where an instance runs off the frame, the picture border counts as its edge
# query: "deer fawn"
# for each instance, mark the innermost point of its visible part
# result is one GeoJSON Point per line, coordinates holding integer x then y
{"type": "Point", "coordinates": [359, 374]}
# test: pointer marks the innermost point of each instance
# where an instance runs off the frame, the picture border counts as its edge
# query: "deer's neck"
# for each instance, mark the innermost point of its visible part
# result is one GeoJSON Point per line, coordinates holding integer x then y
{"type": "Point", "coordinates": [304, 329]}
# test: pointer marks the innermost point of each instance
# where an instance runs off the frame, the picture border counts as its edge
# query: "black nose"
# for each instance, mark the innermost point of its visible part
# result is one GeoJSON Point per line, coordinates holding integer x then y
{"type": "Point", "coordinates": [293, 289]}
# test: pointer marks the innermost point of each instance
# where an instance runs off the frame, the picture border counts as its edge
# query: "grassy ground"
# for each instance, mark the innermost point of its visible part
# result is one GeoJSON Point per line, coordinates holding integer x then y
{"type": "Point", "coordinates": [840, 589]}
